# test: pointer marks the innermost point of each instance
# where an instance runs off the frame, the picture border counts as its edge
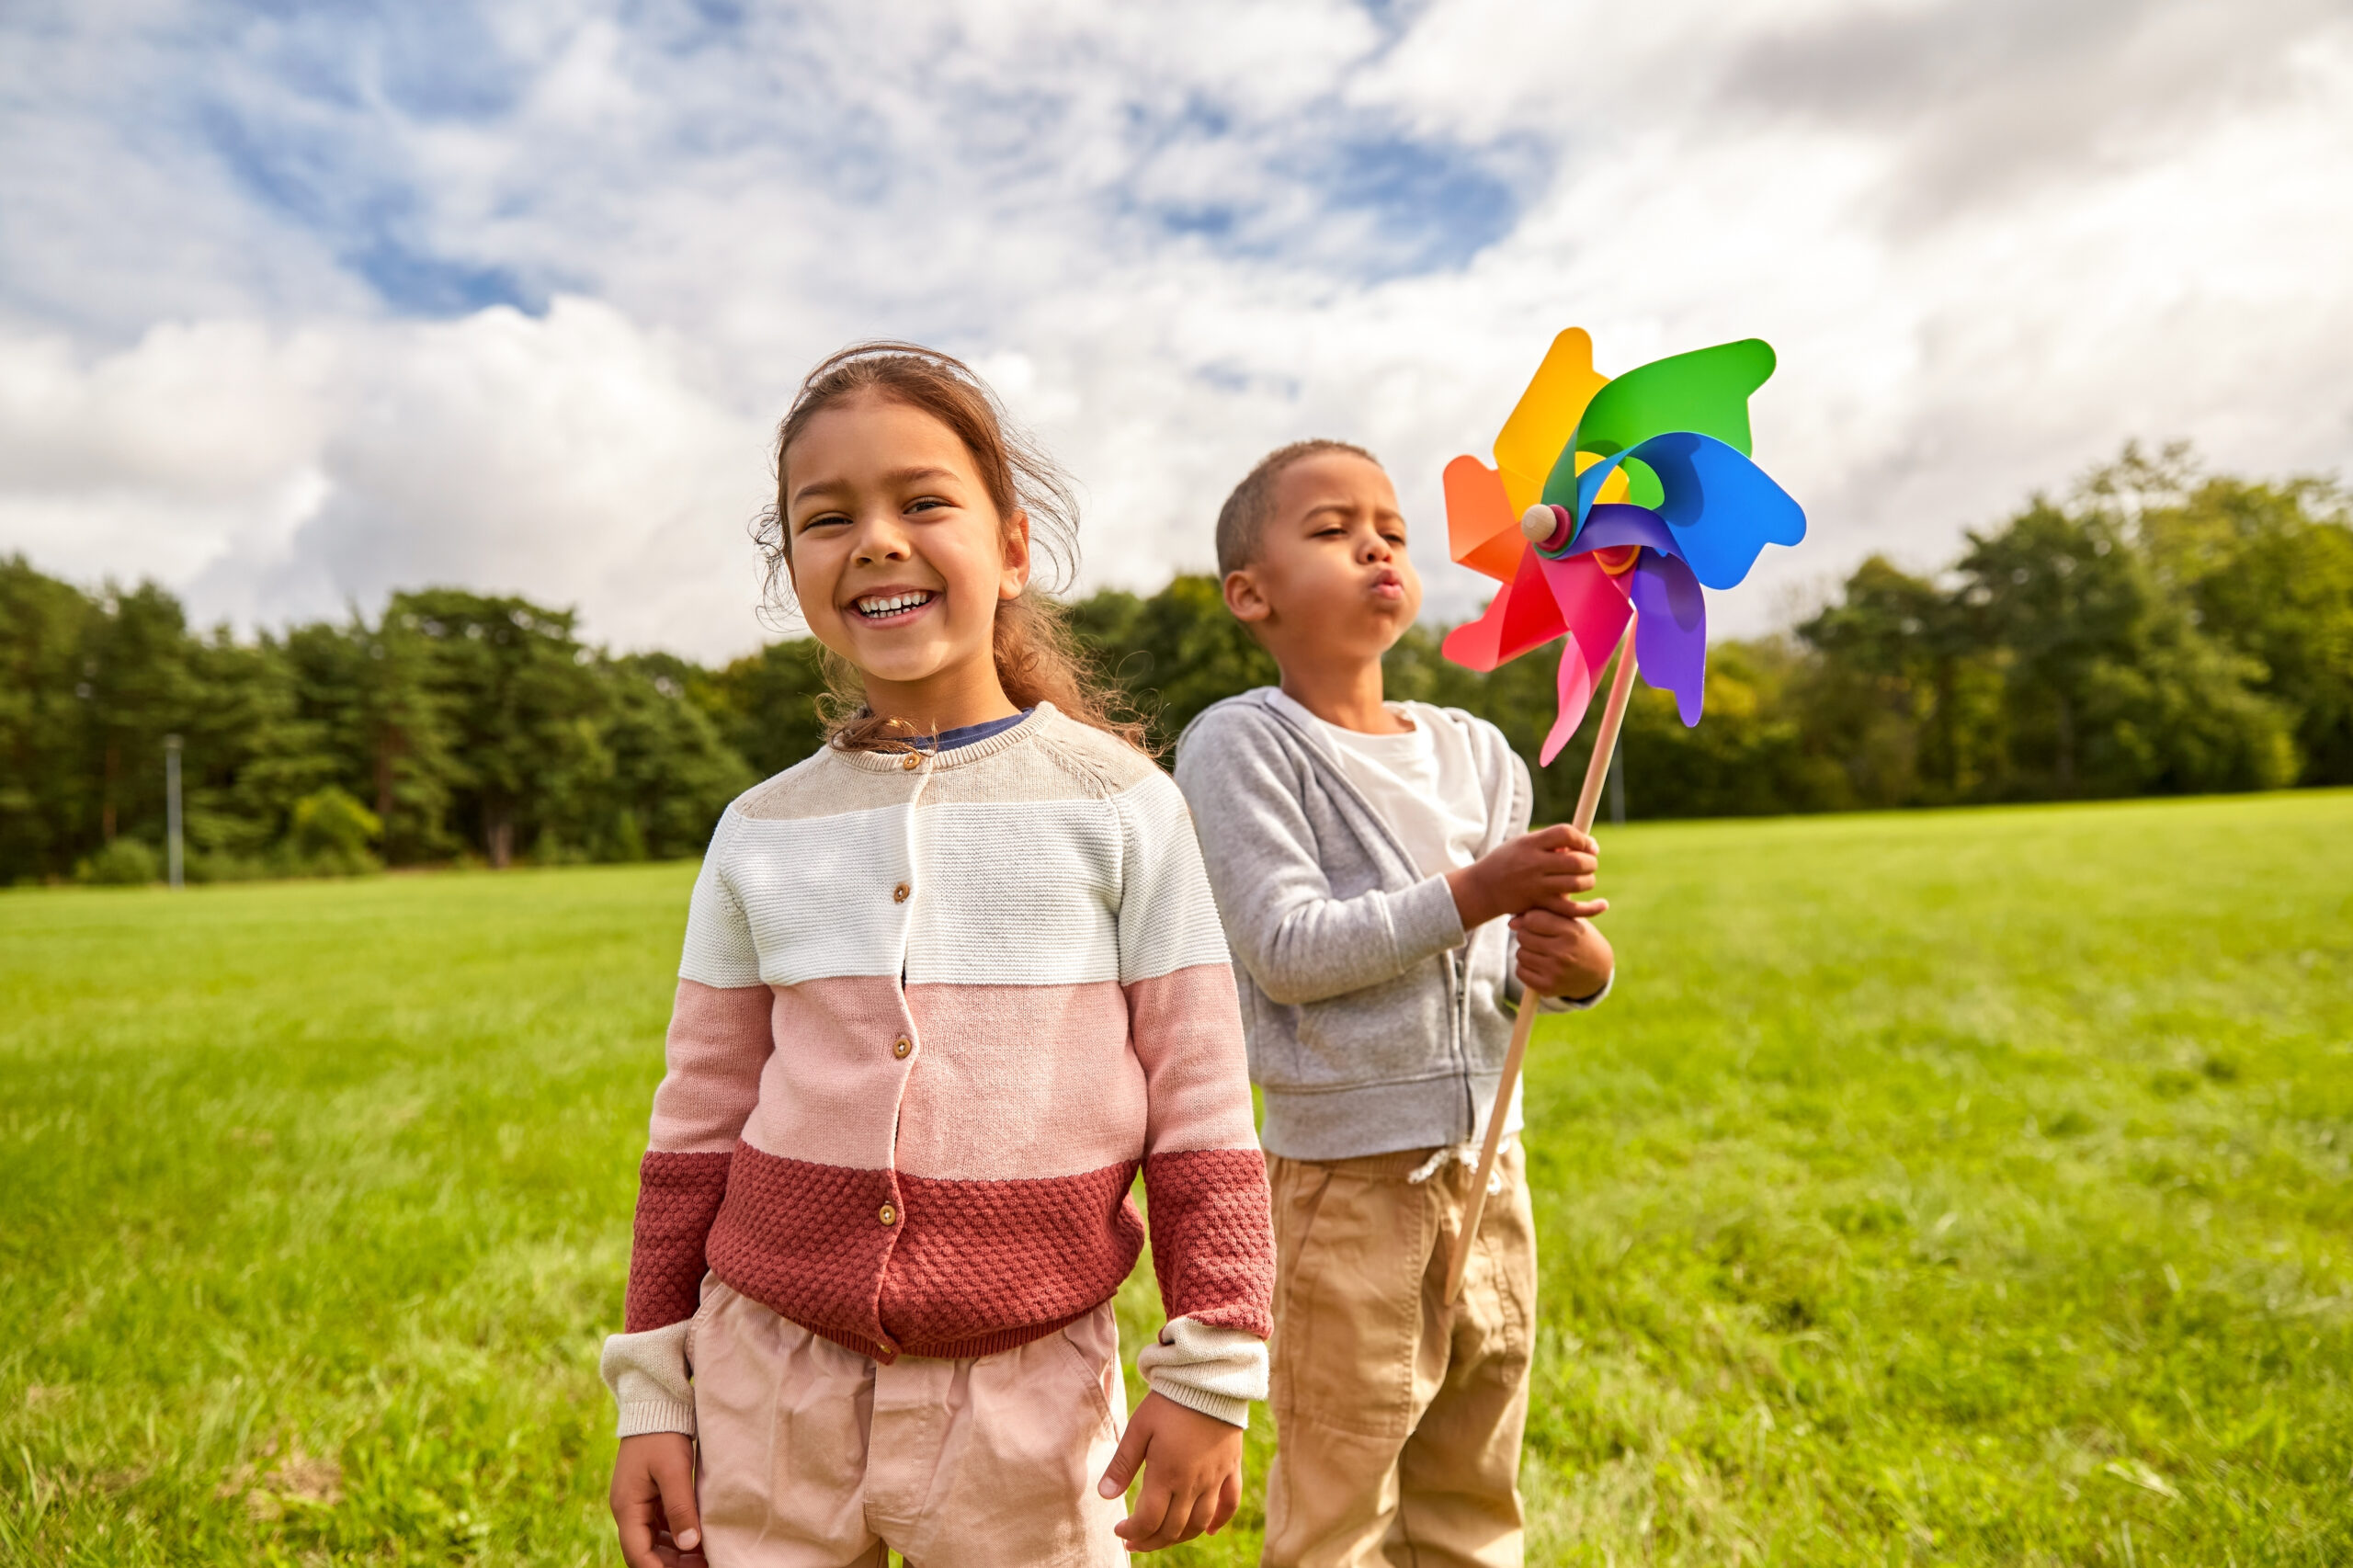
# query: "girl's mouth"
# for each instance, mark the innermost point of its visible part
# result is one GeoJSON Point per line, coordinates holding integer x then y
{"type": "Point", "coordinates": [883, 608]}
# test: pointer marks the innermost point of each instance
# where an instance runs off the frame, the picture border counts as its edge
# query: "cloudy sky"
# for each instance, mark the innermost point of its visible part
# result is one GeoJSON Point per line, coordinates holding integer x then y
{"type": "Point", "coordinates": [300, 303]}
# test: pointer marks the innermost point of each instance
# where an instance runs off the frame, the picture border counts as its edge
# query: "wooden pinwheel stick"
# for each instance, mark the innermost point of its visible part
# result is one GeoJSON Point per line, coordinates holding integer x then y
{"type": "Point", "coordinates": [1613, 714]}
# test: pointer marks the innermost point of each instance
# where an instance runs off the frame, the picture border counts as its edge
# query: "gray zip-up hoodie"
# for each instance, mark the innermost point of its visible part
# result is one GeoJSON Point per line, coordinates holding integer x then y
{"type": "Point", "coordinates": [1374, 1024]}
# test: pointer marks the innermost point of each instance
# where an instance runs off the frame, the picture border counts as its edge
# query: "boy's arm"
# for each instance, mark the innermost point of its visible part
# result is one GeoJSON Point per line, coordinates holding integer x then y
{"type": "Point", "coordinates": [719, 1041]}
{"type": "Point", "coordinates": [1205, 1180]}
{"type": "Point", "coordinates": [1299, 942]}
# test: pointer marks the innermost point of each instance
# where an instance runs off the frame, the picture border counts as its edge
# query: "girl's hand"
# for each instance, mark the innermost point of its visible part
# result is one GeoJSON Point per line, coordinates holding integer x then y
{"type": "Point", "coordinates": [653, 1501]}
{"type": "Point", "coordinates": [1192, 1483]}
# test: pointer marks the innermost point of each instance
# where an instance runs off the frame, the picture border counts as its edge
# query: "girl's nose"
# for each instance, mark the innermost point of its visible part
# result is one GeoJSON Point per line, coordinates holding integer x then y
{"type": "Point", "coordinates": [881, 540]}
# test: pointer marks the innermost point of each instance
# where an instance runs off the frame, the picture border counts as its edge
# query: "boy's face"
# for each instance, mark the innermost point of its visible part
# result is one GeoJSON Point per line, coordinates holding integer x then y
{"type": "Point", "coordinates": [1331, 581]}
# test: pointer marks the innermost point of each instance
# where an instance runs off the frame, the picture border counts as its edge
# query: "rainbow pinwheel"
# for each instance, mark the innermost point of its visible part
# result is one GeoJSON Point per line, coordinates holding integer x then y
{"type": "Point", "coordinates": [1612, 498]}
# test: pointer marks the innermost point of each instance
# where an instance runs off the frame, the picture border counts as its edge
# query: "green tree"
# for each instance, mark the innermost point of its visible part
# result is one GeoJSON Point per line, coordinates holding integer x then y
{"type": "Point", "coordinates": [520, 703]}
{"type": "Point", "coordinates": [2267, 570]}
{"type": "Point", "coordinates": [2110, 689]}
{"type": "Point", "coordinates": [44, 700]}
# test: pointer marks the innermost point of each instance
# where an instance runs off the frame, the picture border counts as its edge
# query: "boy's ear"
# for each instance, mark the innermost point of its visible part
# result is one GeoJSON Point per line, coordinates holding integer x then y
{"type": "Point", "coordinates": [1016, 575]}
{"type": "Point", "coordinates": [1243, 598]}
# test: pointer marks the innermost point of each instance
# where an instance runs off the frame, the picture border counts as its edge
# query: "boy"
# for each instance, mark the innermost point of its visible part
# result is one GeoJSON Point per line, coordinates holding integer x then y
{"type": "Point", "coordinates": [1364, 856]}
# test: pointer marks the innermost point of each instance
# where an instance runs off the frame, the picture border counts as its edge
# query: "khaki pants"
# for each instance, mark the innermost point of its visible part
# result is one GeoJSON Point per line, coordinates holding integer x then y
{"type": "Point", "coordinates": [1397, 1418]}
{"type": "Point", "coordinates": [817, 1457]}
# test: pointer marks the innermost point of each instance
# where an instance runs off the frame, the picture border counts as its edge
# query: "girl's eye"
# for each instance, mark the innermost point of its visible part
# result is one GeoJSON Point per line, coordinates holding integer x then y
{"type": "Point", "coordinates": [924, 503]}
{"type": "Point", "coordinates": [823, 519]}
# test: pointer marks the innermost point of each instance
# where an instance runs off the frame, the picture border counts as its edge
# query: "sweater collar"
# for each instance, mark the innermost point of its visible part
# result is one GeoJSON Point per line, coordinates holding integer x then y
{"type": "Point", "coordinates": [958, 757]}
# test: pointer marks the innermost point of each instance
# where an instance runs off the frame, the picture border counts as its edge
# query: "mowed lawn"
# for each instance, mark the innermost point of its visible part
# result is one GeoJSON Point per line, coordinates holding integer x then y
{"type": "Point", "coordinates": [1958, 1188]}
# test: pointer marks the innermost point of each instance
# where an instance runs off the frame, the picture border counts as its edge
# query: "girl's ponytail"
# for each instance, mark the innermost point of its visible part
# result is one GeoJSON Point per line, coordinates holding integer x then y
{"type": "Point", "coordinates": [1038, 659]}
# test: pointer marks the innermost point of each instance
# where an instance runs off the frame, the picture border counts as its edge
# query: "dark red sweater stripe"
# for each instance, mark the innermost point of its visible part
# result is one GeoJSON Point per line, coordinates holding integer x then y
{"type": "Point", "coordinates": [1208, 1229]}
{"type": "Point", "coordinates": [677, 1197]}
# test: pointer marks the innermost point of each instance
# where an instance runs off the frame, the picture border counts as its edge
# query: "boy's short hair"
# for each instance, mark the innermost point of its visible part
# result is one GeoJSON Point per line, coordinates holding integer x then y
{"type": "Point", "coordinates": [1244, 516]}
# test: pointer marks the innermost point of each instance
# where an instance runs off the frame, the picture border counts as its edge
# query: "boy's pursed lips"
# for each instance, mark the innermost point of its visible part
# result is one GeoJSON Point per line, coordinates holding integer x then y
{"type": "Point", "coordinates": [1386, 583]}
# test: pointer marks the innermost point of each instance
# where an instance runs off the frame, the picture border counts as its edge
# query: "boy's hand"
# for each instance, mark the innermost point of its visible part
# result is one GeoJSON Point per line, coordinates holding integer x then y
{"type": "Point", "coordinates": [1192, 1481]}
{"type": "Point", "coordinates": [1546, 869]}
{"type": "Point", "coordinates": [653, 1501]}
{"type": "Point", "coordinates": [1560, 955]}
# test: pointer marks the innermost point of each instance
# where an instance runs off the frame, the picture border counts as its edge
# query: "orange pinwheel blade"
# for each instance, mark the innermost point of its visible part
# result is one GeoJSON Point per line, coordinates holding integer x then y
{"type": "Point", "coordinates": [1481, 530]}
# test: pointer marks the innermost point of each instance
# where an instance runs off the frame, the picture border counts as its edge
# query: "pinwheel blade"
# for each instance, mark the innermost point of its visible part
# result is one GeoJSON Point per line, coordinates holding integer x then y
{"type": "Point", "coordinates": [1593, 606]}
{"type": "Point", "coordinates": [1722, 507]}
{"type": "Point", "coordinates": [1546, 417]}
{"type": "Point", "coordinates": [1524, 614]}
{"type": "Point", "coordinates": [1671, 635]}
{"type": "Point", "coordinates": [1706, 392]}
{"type": "Point", "coordinates": [1482, 528]}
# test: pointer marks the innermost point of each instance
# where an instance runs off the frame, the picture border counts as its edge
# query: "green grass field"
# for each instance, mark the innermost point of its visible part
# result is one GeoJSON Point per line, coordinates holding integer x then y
{"type": "Point", "coordinates": [1965, 1187]}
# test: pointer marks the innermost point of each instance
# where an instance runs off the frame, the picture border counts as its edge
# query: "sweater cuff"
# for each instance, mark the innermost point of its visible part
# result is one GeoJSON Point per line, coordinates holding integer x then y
{"type": "Point", "coordinates": [1576, 1004]}
{"type": "Point", "coordinates": [1217, 1372]}
{"type": "Point", "coordinates": [647, 1372]}
{"type": "Point", "coordinates": [1425, 922]}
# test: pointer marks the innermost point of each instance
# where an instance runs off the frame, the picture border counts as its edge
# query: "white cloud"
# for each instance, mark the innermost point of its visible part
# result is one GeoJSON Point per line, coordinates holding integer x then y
{"type": "Point", "coordinates": [255, 350]}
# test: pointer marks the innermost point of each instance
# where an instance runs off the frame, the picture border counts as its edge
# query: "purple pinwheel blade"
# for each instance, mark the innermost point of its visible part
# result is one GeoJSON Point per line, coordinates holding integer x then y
{"type": "Point", "coordinates": [1614, 523]}
{"type": "Point", "coordinates": [1671, 630]}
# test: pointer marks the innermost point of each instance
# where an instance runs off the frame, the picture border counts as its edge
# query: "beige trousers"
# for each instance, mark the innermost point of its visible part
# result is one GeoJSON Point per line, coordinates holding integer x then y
{"type": "Point", "coordinates": [1397, 1418]}
{"type": "Point", "coordinates": [817, 1457]}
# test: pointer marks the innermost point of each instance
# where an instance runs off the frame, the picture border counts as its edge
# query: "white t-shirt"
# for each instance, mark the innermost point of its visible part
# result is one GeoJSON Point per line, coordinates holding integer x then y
{"type": "Point", "coordinates": [1424, 782]}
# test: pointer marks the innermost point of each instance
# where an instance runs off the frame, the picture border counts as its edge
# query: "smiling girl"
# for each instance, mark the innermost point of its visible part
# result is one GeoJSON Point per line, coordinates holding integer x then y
{"type": "Point", "coordinates": [948, 985]}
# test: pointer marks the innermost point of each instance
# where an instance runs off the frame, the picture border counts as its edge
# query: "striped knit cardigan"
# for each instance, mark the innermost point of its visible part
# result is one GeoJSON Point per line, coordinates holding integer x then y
{"type": "Point", "coordinates": [934, 1015]}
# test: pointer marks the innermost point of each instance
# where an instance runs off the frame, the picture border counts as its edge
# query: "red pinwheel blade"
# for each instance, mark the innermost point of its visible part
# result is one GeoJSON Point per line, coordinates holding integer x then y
{"type": "Point", "coordinates": [1524, 614]}
{"type": "Point", "coordinates": [1592, 605]}
{"type": "Point", "coordinates": [1481, 530]}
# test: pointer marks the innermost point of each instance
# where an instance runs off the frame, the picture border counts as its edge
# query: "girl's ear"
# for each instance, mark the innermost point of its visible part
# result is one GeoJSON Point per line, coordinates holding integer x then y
{"type": "Point", "coordinates": [1016, 575]}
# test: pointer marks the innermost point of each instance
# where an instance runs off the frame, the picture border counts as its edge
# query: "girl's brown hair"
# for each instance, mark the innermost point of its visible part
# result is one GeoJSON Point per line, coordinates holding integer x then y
{"type": "Point", "coordinates": [1038, 660]}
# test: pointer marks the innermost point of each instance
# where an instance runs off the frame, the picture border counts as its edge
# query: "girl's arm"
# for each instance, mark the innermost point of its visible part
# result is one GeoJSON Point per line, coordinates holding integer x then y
{"type": "Point", "coordinates": [1205, 1181]}
{"type": "Point", "coordinates": [719, 1041]}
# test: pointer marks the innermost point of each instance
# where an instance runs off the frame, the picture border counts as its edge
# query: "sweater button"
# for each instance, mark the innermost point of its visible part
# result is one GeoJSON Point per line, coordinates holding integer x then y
{"type": "Point", "coordinates": [899, 1048]}
{"type": "Point", "coordinates": [899, 894]}
{"type": "Point", "coordinates": [890, 1215]}
{"type": "Point", "coordinates": [911, 763]}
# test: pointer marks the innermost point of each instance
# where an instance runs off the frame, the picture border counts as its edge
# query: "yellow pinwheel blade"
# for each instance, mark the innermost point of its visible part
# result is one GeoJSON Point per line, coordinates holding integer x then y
{"type": "Point", "coordinates": [1546, 417]}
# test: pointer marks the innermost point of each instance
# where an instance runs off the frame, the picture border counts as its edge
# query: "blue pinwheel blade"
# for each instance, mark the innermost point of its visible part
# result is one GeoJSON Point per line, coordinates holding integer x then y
{"type": "Point", "coordinates": [1722, 507]}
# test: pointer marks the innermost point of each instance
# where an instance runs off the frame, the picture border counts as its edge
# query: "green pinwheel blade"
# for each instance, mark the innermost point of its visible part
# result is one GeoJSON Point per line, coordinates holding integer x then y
{"type": "Point", "coordinates": [1705, 391]}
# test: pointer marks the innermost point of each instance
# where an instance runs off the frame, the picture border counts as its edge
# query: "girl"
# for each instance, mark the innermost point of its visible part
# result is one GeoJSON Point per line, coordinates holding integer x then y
{"type": "Point", "coordinates": [949, 983]}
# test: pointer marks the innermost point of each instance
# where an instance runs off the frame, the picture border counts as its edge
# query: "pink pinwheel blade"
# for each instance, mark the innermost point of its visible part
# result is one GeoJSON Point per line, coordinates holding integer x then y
{"type": "Point", "coordinates": [1593, 606]}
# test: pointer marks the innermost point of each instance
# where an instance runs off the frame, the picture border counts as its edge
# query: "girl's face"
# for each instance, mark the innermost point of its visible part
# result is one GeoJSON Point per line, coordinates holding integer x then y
{"type": "Point", "coordinates": [900, 557]}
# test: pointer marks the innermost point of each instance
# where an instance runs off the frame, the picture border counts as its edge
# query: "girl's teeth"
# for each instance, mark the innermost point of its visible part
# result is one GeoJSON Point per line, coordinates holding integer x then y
{"type": "Point", "coordinates": [893, 605]}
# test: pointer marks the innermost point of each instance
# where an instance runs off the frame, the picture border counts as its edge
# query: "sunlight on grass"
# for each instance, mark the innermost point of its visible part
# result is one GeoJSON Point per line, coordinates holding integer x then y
{"type": "Point", "coordinates": [1957, 1187]}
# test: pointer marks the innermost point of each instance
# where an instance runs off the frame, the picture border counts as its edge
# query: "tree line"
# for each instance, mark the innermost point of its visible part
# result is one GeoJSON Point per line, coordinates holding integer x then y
{"type": "Point", "coordinates": [2159, 631]}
